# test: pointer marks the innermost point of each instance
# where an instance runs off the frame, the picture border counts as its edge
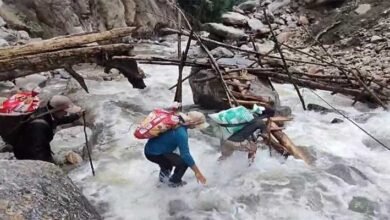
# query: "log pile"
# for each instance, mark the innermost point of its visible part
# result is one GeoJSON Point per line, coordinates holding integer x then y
{"type": "Point", "coordinates": [329, 76]}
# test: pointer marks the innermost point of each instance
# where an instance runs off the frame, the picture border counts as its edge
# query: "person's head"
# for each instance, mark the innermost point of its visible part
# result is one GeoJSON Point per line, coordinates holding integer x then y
{"type": "Point", "coordinates": [63, 105]}
{"type": "Point", "coordinates": [194, 119]}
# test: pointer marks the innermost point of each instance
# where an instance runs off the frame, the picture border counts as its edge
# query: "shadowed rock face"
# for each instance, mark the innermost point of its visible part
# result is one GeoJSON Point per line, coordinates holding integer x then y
{"type": "Point", "coordinates": [39, 190]}
{"type": "Point", "coordinates": [48, 18]}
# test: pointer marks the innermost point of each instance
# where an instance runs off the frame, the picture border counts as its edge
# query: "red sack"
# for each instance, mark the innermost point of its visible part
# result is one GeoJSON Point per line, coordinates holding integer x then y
{"type": "Point", "coordinates": [20, 103]}
{"type": "Point", "coordinates": [156, 123]}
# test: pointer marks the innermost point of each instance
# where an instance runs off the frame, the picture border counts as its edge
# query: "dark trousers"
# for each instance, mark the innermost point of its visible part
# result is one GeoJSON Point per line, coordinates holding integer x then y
{"type": "Point", "coordinates": [166, 163]}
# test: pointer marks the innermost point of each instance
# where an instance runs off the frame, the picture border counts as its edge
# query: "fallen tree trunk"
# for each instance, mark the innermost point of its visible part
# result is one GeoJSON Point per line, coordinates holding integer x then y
{"type": "Point", "coordinates": [26, 65]}
{"type": "Point", "coordinates": [64, 42]}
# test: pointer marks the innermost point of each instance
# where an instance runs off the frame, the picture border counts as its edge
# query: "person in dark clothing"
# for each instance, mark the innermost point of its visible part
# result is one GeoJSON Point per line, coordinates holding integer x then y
{"type": "Point", "coordinates": [33, 137]}
{"type": "Point", "coordinates": [160, 150]}
{"type": "Point", "coordinates": [244, 139]}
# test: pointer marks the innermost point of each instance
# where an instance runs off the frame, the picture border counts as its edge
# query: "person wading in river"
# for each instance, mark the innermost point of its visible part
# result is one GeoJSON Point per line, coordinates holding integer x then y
{"type": "Point", "coordinates": [160, 150]}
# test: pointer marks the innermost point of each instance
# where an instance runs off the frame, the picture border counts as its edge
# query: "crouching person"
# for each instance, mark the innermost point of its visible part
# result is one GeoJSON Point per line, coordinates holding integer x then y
{"type": "Point", "coordinates": [33, 138]}
{"type": "Point", "coordinates": [160, 150]}
{"type": "Point", "coordinates": [244, 139]}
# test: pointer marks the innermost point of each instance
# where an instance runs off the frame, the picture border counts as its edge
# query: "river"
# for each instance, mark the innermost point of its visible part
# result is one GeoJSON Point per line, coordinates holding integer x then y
{"type": "Point", "coordinates": [349, 180]}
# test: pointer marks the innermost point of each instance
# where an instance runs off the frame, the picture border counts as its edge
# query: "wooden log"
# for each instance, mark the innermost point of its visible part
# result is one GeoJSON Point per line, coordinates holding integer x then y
{"type": "Point", "coordinates": [251, 103]}
{"type": "Point", "coordinates": [275, 145]}
{"type": "Point", "coordinates": [316, 85]}
{"type": "Point", "coordinates": [26, 65]}
{"type": "Point", "coordinates": [217, 43]}
{"type": "Point", "coordinates": [289, 145]}
{"type": "Point", "coordinates": [63, 43]}
{"type": "Point", "coordinates": [251, 97]}
{"type": "Point", "coordinates": [238, 85]}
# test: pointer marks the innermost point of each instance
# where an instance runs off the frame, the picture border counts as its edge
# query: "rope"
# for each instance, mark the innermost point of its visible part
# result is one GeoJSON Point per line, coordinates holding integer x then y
{"type": "Point", "coordinates": [87, 145]}
{"type": "Point", "coordinates": [354, 123]}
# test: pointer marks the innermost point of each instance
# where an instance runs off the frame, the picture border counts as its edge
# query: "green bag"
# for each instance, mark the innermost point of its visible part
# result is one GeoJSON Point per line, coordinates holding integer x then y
{"type": "Point", "coordinates": [236, 115]}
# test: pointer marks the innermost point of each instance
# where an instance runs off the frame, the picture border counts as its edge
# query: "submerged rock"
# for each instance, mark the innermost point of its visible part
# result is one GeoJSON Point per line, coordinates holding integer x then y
{"type": "Point", "coordinates": [177, 206]}
{"type": "Point", "coordinates": [318, 108]}
{"type": "Point", "coordinates": [362, 205]}
{"type": "Point", "coordinates": [348, 174]}
{"type": "Point", "coordinates": [40, 190]}
{"type": "Point", "coordinates": [336, 121]}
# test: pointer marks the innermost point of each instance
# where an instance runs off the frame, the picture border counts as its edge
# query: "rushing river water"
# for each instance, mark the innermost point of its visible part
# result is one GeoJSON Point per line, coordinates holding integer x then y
{"type": "Point", "coordinates": [350, 179]}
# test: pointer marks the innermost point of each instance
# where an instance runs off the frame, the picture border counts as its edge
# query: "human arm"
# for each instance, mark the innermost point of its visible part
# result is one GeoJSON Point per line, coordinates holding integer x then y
{"type": "Point", "coordinates": [186, 156]}
{"type": "Point", "coordinates": [69, 118]}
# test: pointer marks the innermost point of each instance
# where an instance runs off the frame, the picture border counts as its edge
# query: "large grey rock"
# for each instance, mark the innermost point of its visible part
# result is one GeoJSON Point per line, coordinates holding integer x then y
{"type": "Point", "coordinates": [256, 24]}
{"type": "Point", "coordinates": [69, 140]}
{"type": "Point", "coordinates": [224, 31]}
{"type": "Point", "coordinates": [363, 9]}
{"type": "Point", "coordinates": [233, 18]}
{"type": "Point", "coordinates": [210, 94]}
{"type": "Point", "coordinates": [248, 5]}
{"type": "Point", "coordinates": [31, 81]}
{"type": "Point", "coordinates": [8, 35]}
{"type": "Point", "coordinates": [40, 190]}
{"type": "Point", "coordinates": [221, 52]}
{"type": "Point", "coordinates": [266, 47]}
{"type": "Point", "coordinates": [3, 43]}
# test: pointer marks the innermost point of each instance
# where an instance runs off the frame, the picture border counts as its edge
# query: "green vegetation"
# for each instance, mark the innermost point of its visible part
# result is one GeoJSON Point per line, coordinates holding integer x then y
{"type": "Point", "coordinates": [207, 10]}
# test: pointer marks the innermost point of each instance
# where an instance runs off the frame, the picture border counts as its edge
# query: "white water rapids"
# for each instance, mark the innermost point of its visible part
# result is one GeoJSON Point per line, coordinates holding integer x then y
{"type": "Point", "coordinates": [350, 179]}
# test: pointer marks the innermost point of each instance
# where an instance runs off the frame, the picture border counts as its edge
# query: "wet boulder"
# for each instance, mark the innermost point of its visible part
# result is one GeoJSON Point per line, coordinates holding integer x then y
{"type": "Point", "coordinates": [40, 190]}
{"type": "Point", "coordinates": [209, 93]}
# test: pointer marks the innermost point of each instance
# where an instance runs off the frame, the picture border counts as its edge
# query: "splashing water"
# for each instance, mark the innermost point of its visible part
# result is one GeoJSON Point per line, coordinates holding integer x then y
{"type": "Point", "coordinates": [350, 180]}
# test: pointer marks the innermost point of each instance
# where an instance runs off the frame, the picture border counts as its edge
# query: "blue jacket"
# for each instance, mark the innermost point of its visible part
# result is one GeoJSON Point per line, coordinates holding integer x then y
{"type": "Point", "coordinates": [168, 142]}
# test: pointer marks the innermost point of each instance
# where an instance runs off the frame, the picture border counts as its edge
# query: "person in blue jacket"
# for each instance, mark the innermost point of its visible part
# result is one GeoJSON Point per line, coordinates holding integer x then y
{"type": "Point", "coordinates": [161, 150]}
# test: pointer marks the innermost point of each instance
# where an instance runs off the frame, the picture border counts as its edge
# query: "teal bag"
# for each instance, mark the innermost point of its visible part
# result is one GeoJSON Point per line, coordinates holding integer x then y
{"type": "Point", "coordinates": [237, 115]}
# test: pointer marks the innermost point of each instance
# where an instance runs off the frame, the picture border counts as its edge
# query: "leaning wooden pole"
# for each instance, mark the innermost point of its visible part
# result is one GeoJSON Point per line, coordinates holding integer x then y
{"type": "Point", "coordinates": [282, 56]}
{"type": "Point", "coordinates": [212, 60]}
{"type": "Point", "coordinates": [179, 89]}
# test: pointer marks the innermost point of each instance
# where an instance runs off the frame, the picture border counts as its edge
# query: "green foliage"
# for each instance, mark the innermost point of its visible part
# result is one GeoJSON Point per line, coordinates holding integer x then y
{"type": "Point", "coordinates": [204, 11]}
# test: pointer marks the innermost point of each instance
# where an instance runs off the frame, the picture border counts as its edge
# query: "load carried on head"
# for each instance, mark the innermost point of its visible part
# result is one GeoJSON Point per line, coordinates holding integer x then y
{"type": "Point", "coordinates": [241, 129]}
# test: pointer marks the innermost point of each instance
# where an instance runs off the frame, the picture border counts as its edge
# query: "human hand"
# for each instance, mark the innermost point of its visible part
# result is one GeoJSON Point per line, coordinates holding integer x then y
{"type": "Point", "coordinates": [200, 178]}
